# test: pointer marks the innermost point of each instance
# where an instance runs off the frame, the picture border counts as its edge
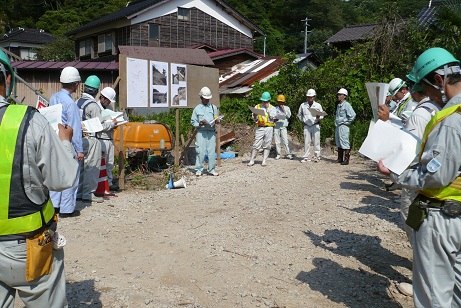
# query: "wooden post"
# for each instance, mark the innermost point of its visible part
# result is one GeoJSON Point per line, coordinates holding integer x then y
{"type": "Point", "coordinates": [121, 160]}
{"type": "Point", "coordinates": [176, 144]}
{"type": "Point", "coordinates": [218, 144]}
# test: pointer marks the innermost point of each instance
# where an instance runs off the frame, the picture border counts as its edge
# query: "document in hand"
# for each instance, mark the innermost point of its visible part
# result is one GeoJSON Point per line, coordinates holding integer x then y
{"type": "Point", "coordinates": [377, 93]}
{"type": "Point", "coordinates": [92, 125]}
{"type": "Point", "coordinates": [316, 112]}
{"type": "Point", "coordinates": [257, 111]}
{"type": "Point", "coordinates": [53, 114]}
{"type": "Point", "coordinates": [109, 115]}
{"type": "Point", "coordinates": [214, 120]}
{"type": "Point", "coordinates": [395, 147]}
{"type": "Point", "coordinates": [280, 116]}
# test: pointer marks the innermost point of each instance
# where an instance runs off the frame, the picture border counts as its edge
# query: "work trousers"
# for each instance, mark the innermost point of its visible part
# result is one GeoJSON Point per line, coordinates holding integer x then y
{"type": "Point", "coordinates": [107, 146]}
{"type": "Point", "coordinates": [263, 137]}
{"type": "Point", "coordinates": [281, 136]}
{"type": "Point", "coordinates": [89, 177]}
{"type": "Point", "coordinates": [311, 134]}
{"type": "Point", "coordinates": [205, 143]}
{"type": "Point", "coordinates": [47, 291]}
{"type": "Point", "coordinates": [66, 200]}
{"type": "Point", "coordinates": [437, 261]}
{"type": "Point", "coordinates": [342, 137]}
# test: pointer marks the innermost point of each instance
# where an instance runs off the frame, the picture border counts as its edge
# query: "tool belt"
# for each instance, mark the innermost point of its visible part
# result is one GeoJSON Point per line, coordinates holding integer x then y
{"type": "Point", "coordinates": [419, 208]}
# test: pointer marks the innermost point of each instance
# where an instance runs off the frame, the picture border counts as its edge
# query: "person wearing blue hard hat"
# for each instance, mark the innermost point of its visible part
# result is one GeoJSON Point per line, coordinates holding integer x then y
{"type": "Point", "coordinates": [265, 128]}
{"type": "Point", "coordinates": [435, 214]}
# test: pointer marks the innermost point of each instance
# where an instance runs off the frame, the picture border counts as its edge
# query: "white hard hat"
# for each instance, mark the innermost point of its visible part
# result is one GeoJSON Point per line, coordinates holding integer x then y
{"type": "Point", "coordinates": [70, 75]}
{"type": "Point", "coordinates": [205, 92]}
{"type": "Point", "coordinates": [395, 85]}
{"type": "Point", "coordinates": [311, 92]}
{"type": "Point", "coordinates": [109, 93]}
{"type": "Point", "coordinates": [343, 91]}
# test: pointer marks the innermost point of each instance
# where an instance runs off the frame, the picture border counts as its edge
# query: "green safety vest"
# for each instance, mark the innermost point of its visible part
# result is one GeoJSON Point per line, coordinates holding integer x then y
{"type": "Point", "coordinates": [453, 190]}
{"type": "Point", "coordinates": [18, 214]}
{"type": "Point", "coordinates": [401, 107]}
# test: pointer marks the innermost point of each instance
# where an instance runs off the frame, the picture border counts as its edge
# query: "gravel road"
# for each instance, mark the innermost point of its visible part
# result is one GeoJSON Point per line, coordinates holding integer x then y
{"type": "Point", "coordinates": [290, 234]}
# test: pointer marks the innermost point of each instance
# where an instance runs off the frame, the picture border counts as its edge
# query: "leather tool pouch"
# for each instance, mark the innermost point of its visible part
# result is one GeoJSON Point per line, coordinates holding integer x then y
{"type": "Point", "coordinates": [416, 214]}
{"type": "Point", "coordinates": [39, 257]}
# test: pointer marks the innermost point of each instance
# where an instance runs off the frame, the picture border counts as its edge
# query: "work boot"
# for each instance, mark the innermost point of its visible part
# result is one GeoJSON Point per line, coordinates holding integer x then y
{"type": "Point", "coordinates": [266, 155]}
{"type": "Point", "coordinates": [252, 158]}
{"type": "Point", "coordinates": [340, 155]}
{"type": "Point", "coordinates": [347, 155]}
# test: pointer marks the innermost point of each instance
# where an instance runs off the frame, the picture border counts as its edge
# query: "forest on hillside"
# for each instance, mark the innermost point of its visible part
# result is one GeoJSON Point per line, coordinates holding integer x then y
{"type": "Point", "coordinates": [281, 20]}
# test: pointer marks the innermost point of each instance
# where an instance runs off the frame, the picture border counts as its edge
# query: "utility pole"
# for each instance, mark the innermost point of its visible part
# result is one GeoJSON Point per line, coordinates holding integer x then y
{"type": "Point", "coordinates": [305, 32]}
{"type": "Point", "coordinates": [264, 46]}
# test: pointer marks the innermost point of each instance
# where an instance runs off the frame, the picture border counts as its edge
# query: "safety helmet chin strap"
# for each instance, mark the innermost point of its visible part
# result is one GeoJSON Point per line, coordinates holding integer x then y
{"type": "Point", "coordinates": [7, 87]}
{"type": "Point", "coordinates": [445, 72]}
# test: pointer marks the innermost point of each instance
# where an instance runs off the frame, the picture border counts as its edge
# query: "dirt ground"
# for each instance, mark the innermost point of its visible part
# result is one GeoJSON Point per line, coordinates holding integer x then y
{"type": "Point", "coordinates": [290, 234]}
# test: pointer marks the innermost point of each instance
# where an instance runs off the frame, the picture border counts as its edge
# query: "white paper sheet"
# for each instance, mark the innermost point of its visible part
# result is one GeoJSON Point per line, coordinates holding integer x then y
{"type": "Point", "coordinates": [214, 120]}
{"type": "Point", "coordinates": [257, 111]}
{"type": "Point", "coordinates": [92, 125]}
{"type": "Point", "coordinates": [393, 146]}
{"type": "Point", "coordinates": [316, 112]}
{"type": "Point", "coordinates": [107, 114]}
{"type": "Point", "coordinates": [53, 114]}
{"type": "Point", "coordinates": [377, 93]}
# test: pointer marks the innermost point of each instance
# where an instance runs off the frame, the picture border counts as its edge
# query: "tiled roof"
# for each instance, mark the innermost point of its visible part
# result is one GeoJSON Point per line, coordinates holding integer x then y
{"type": "Point", "coordinates": [23, 35]}
{"type": "Point", "coordinates": [242, 79]}
{"type": "Point", "coordinates": [174, 55]}
{"type": "Point", "coordinates": [352, 33]}
{"type": "Point", "coordinates": [127, 12]}
{"type": "Point", "coordinates": [232, 52]}
{"type": "Point", "coordinates": [80, 65]}
{"type": "Point", "coordinates": [137, 7]}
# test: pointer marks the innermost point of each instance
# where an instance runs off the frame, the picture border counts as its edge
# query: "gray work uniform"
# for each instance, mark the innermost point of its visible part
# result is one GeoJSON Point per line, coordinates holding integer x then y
{"type": "Point", "coordinates": [344, 117]}
{"type": "Point", "coordinates": [205, 140]}
{"type": "Point", "coordinates": [263, 134]}
{"type": "Point", "coordinates": [436, 250]}
{"type": "Point", "coordinates": [106, 137]}
{"type": "Point", "coordinates": [280, 131]}
{"type": "Point", "coordinates": [311, 128]}
{"type": "Point", "coordinates": [416, 124]}
{"type": "Point", "coordinates": [89, 170]}
{"type": "Point", "coordinates": [45, 157]}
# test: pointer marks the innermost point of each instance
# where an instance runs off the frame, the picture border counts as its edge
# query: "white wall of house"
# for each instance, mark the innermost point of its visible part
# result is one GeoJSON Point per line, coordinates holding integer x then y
{"type": "Point", "coordinates": [208, 6]}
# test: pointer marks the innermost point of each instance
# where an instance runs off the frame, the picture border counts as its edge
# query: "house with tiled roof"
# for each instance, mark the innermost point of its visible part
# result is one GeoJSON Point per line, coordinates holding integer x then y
{"type": "Point", "coordinates": [167, 24]}
{"type": "Point", "coordinates": [24, 42]}
{"type": "Point", "coordinates": [344, 38]}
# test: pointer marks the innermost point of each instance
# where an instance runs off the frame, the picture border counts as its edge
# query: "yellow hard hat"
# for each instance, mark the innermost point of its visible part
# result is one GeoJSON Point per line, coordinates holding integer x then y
{"type": "Point", "coordinates": [281, 98]}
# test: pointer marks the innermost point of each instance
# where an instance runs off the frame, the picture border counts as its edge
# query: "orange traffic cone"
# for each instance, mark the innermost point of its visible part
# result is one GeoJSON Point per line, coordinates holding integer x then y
{"type": "Point", "coordinates": [103, 185]}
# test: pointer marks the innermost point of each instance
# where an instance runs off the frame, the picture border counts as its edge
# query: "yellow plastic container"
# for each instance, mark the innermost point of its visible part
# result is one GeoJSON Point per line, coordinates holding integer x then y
{"type": "Point", "coordinates": [152, 136]}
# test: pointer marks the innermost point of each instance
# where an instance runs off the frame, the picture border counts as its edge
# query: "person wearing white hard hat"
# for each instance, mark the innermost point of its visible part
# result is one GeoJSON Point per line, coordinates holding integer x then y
{"type": "Point", "coordinates": [405, 104]}
{"type": "Point", "coordinates": [311, 123]}
{"type": "Point", "coordinates": [66, 200]}
{"type": "Point", "coordinates": [106, 136]}
{"type": "Point", "coordinates": [345, 115]}
{"type": "Point", "coordinates": [205, 140]}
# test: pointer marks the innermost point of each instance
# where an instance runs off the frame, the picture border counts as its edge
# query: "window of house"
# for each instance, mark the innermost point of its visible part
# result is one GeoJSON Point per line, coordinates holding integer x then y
{"type": "Point", "coordinates": [104, 43]}
{"type": "Point", "coordinates": [154, 35]}
{"type": "Point", "coordinates": [183, 14]}
{"type": "Point", "coordinates": [85, 48]}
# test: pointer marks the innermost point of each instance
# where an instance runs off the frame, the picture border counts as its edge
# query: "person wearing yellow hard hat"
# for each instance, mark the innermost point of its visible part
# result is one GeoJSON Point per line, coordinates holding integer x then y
{"type": "Point", "coordinates": [435, 214]}
{"type": "Point", "coordinates": [280, 128]}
